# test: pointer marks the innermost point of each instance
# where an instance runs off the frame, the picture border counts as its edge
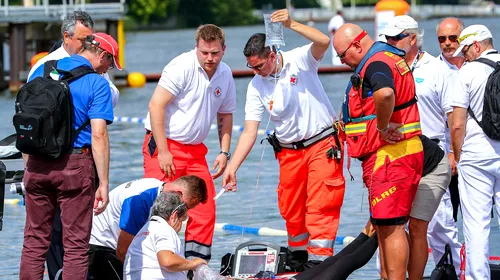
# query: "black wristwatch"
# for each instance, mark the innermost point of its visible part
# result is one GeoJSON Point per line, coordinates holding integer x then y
{"type": "Point", "coordinates": [228, 154]}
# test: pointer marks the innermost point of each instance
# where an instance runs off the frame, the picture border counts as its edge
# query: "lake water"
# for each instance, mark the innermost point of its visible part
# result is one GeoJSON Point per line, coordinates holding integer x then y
{"type": "Point", "coordinates": [253, 205]}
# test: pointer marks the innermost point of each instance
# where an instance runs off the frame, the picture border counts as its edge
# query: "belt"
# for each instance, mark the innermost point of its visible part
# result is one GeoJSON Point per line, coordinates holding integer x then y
{"type": "Point", "coordinates": [83, 150]}
{"type": "Point", "coordinates": [308, 142]}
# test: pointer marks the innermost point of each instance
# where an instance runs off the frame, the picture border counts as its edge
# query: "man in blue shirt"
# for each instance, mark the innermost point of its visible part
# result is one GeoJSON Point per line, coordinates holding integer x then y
{"type": "Point", "coordinates": [69, 181]}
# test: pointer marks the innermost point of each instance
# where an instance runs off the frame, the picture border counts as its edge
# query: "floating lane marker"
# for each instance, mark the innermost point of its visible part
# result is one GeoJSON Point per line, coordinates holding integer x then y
{"type": "Point", "coordinates": [238, 128]}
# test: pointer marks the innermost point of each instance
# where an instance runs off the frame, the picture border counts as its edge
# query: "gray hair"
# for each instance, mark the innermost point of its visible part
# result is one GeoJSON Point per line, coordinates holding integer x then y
{"type": "Point", "coordinates": [167, 203]}
{"type": "Point", "coordinates": [461, 25]}
{"type": "Point", "coordinates": [486, 43]}
{"type": "Point", "coordinates": [69, 22]}
{"type": "Point", "coordinates": [420, 36]}
{"type": "Point", "coordinates": [90, 47]}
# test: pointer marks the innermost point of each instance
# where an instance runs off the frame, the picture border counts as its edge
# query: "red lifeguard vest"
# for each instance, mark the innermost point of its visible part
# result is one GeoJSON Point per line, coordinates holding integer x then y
{"type": "Point", "coordinates": [361, 134]}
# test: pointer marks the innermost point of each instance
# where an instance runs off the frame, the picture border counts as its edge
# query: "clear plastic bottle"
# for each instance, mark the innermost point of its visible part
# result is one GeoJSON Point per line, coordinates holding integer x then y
{"type": "Point", "coordinates": [203, 272]}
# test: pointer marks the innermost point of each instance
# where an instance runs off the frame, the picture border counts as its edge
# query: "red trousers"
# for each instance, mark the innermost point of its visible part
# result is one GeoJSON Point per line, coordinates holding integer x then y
{"type": "Point", "coordinates": [310, 195]}
{"type": "Point", "coordinates": [69, 182]}
{"type": "Point", "coordinates": [188, 160]}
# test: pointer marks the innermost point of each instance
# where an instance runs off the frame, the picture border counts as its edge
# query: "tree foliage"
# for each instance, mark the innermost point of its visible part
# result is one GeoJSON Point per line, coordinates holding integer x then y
{"type": "Point", "coordinates": [147, 11]}
{"type": "Point", "coordinates": [192, 13]}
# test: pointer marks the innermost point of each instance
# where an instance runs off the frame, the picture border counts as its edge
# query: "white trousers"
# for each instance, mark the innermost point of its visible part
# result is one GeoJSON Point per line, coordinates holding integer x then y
{"type": "Point", "coordinates": [443, 229]}
{"type": "Point", "coordinates": [478, 183]}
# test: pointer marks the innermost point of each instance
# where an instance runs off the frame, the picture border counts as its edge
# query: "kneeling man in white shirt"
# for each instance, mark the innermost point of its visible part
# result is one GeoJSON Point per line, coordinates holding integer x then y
{"type": "Point", "coordinates": [156, 251]}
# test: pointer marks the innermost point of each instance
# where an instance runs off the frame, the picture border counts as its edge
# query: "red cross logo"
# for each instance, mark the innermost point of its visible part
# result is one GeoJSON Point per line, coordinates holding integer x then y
{"type": "Point", "coordinates": [293, 80]}
{"type": "Point", "coordinates": [217, 91]}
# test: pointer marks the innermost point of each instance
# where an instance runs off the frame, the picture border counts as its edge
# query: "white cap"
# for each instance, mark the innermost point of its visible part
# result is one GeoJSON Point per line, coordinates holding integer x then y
{"type": "Point", "coordinates": [399, 24]}
{"type": "Point", "coordinates": [471, 34]}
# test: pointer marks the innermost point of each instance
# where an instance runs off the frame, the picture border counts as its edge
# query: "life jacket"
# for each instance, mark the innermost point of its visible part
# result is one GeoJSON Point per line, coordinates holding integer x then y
{"type": "Point", "coordinates": [358, 114]}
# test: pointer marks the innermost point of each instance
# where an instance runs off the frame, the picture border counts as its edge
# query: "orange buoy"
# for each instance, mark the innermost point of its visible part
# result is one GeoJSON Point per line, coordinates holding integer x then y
{"type": "Point", "coordinates": [37, 57]}
{"type": "Point", "coordinates": [387, 9]}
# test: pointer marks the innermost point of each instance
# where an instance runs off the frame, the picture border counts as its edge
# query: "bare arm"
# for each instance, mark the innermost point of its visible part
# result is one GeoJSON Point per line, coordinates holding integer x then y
{"type": "Point", "coordinates": [159, 101]}
{"type": "Point", "coordinates": [458, 130]}
{"type": "Point", "coordinates": [320, 41]}
{"type": "Point", "coordinates": [451, 156]}
{"type": "Point", "coordinates": [224, 128]}
{"type": "Point", "coordinates": [100, 153]}
{"type": "Point", "coordinates": [384, 106]}
{"type": "Point", "coordinates": [245, 144]}
{"type": "Point", "coordinates": [175, 263]}
{"type": "Point", "coordinates": [124, 240]}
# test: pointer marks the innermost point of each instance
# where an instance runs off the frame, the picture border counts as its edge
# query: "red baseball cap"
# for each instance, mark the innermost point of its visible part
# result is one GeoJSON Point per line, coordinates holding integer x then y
{"type": "Point", "coordinates": [107, 43]}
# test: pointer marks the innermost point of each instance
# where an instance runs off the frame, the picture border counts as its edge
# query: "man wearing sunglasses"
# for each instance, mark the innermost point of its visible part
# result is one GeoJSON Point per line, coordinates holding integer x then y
{"type": "Point", "coordinates": [434, 82]}
{"type": "Point", "coordinates": [311, 188]}
{"type": "Point", "coordinates": [382, 127]}
{"type": "Point", "coordinates": [477, 155]}
{"type": "Point", "coordinates": [128, 210]}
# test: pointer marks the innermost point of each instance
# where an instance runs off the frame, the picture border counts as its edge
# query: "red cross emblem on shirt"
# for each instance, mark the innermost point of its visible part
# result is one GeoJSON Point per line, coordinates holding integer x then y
{"type": "Point", "coordinates": [217, 91]}
{"type": "Point", "coordinates": [293, 80]}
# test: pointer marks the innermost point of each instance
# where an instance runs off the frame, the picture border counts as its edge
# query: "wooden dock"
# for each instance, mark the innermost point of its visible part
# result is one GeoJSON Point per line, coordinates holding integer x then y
{"type": "Point", "coordinates": [35, 26]}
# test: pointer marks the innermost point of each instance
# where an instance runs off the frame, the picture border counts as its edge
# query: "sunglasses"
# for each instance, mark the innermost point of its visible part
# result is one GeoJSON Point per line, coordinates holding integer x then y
{"type": "Point", "coordinates": [398, 37]}
{"type": "Point", "coordinates": [357, 39]}
{"type": "Point", "coordinates": [259, 68]}
{"type": "Point", "coordinates": [452, 38]}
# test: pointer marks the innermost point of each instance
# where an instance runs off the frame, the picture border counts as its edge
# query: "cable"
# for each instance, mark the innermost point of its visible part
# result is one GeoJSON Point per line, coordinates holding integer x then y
{"type": "Point", "coordinates": [278, 60]}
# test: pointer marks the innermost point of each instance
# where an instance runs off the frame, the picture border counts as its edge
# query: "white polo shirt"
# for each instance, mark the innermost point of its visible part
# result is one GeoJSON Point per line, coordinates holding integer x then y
{"type": "Point", "coordinates": [472, 80]}
{"type": "Point", "coordinates": [128, 209]}
{"type": "Point", "coordinates": [197, 99]}
{"type": "Point", "coordinates": [141, 261]}
{"type": "Point", "coordinates": [434, 82]}
{"type": "Point", "coordinates": [301, 108]}
{"type": "Point", "coordinates": [62, 53]}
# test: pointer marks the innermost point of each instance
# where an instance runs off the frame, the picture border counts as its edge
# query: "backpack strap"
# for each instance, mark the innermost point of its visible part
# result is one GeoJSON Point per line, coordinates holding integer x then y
{"type": "Point", "coordinates": [76, 132]}
{"type": "Point", "coordinates": [48, 67]}
{"type": "Point", "coordinates": [76, 73]}
{"type": "Point", "coordinates": [492, 64]}
{"type": "Point", "coordinates": [488, 62]}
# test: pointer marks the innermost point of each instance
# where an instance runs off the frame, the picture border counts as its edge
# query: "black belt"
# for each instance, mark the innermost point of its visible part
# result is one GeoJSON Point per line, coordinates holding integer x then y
{"type": "Point", "coordinates": [309, 142]}
{"type": "Point", "coordinates": [83, 150]}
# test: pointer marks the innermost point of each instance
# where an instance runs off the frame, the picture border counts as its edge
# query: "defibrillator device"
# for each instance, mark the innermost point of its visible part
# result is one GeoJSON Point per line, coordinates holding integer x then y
{"type": "Point", "coordinates": [252, 257]}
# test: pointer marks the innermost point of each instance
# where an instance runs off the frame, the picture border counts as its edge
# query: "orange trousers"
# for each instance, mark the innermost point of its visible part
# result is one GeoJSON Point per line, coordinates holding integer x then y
{"type": "Point", "coordinates": [310, 195]}
{"type": "Point", "coordinates": [188, 160]}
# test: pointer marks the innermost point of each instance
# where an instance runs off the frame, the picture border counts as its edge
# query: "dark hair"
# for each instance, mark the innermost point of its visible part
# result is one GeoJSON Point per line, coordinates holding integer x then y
{"type": "Point", "coordinates": [256, 46]}
{"type": "Point", "coordinates": [195, 186]}
{"type": "Point", "coordinates": [69, 22]}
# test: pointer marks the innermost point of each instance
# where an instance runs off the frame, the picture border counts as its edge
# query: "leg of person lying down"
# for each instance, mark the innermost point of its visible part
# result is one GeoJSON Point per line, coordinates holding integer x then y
{"type": "Point", "coordinates": [352, 249]}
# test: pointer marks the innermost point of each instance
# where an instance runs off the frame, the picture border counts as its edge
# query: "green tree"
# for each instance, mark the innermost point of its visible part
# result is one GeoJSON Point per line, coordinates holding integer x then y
{"type": "Point", "coordinates": [281, 4]}
{"type": "Point", "coordinates": [192, 13]}
{"type": "Point", "coordinates": [146, 11]}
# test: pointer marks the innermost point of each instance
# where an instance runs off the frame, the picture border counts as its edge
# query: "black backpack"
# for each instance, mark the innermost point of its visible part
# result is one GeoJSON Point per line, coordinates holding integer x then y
{"type": "Point", "coordinates": [491, 108]}
{"type": "Point", "coordinates": [44, 113]}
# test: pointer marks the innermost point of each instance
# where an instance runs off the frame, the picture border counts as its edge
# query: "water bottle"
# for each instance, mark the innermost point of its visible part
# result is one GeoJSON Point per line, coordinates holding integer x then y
{"type": "Point", "coordinates": [203, 272]}
{"type": "Point", "coordinates": [274, 32]}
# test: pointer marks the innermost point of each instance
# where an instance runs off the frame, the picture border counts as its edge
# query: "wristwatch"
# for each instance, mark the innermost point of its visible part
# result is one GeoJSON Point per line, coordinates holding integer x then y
{"type": "Point", "coordinates": [228, 154]}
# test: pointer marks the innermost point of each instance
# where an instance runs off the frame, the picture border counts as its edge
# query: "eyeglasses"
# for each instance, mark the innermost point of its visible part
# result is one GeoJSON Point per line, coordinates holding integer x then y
{"type": "Point", "coordinates": [357, 39]}
{"type": "Point", "coordinates": [464, 51]}
{"type": "Point", "coordinates": [398, 37]}
{"type": "Point", "coordinates": [259, 68]}
{"type": "Point", "coordinates": [452, 38]}
{"type": "Point", "coordinates": [111, 60]}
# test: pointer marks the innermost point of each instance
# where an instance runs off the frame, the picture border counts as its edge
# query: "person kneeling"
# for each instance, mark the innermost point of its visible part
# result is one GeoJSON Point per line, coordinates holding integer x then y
{"type": "Point", "coordinates": [156, 251]}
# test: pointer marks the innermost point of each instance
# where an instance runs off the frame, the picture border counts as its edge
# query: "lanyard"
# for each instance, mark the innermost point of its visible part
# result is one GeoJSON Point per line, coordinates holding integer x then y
{"type": "Point", "coordinates": [415, 60]}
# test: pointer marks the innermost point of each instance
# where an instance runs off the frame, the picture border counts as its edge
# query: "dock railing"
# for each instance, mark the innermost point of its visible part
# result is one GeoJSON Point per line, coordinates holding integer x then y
{"type": "Point", "coordinates": [42, 11]}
